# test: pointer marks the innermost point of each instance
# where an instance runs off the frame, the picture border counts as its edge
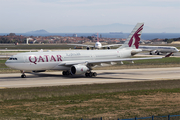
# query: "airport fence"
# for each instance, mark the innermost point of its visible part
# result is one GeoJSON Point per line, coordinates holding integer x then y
{"type": "Point", "coordinates": [167, 117]}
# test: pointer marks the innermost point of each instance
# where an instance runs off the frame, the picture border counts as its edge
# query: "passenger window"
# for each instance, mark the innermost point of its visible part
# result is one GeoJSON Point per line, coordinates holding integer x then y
{"type": "Point", "coordinates": [12, 58]}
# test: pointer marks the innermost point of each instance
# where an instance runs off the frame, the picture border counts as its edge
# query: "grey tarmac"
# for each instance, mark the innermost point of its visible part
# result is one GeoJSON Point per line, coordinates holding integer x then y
{"type": "Point", "coordinates": [13, 80]}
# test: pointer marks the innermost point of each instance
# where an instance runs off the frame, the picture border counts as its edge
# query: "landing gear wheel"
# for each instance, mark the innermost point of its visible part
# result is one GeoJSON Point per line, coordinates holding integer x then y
{"type": "Point", "coordinates": [87, 74]}
{"type": "Point", "coordinates": [66, 73]}
{"type": "Point", "coordinates": [94, 74]}
{"type": "Point", "coordinates": [23, 76]}
{"type": "Point", "coordinates": [157, 53]}
{"type": "Point", "coordinates": [150, 53]}
{"type": "Point", "coordinates": [91, 74]}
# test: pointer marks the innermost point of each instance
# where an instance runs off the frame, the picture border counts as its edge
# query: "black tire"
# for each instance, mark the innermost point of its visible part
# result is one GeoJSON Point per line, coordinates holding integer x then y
{"type": "Point", "coordinates": [23, 76]}
{"type": "Point", "coordinates": [90, 74]}
{"type": "Point", "coordinates": [87, 74]}
{"type": "Point", "coordinates": [63, 73]}
{"type": "Point", "coordinates": [67, 73]}
{"type": "Point", "coordinates": [94, 74]}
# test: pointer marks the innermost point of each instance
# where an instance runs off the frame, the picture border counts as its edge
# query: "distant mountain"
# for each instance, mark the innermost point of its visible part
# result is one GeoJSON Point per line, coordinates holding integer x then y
{"type": "Point", "coordinates": [38, 32]}
{"type": "Point", "coordinates": [116, 27]}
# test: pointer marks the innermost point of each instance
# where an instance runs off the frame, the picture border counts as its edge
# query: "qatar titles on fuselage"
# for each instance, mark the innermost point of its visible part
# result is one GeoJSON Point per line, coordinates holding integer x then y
{"type": "Point", "coordinates": [51, 60]}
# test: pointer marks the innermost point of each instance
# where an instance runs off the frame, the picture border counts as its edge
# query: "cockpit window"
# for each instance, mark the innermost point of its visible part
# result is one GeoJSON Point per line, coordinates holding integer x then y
{"type": "Point", "coordinates": [12, 58]}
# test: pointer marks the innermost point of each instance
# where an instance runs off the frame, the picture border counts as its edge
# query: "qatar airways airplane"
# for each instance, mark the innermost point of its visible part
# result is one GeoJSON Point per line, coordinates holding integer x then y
{"type": "Point", "coordinates": [159, 49]}
{"type": "Point", "coordinates": [78, 62]}
{"type": "Point", "coordinates": [97, 45]}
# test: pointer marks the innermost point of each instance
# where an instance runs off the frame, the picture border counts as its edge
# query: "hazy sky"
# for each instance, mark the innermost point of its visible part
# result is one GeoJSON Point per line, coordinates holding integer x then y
{"type": "Point", "coordinates": [28, 15]}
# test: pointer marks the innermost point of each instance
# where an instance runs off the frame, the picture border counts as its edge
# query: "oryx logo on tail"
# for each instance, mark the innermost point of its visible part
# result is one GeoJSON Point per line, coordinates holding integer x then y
{"type": "Point", "coordinates": [136, 38]}
{"type": "Point", "coordinates": [133, 39]}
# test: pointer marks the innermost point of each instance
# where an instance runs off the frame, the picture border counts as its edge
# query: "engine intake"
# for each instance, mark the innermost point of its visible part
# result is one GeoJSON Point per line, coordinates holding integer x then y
{"type": "Point", "coordinates": [79, 69]}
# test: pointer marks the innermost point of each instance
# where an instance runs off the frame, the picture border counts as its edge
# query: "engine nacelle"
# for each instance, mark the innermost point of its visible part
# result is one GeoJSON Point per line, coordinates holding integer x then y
{"type": "Point", "coordinates": [154, 51]}
{"type": "Point", "coordinates": [79, 69]}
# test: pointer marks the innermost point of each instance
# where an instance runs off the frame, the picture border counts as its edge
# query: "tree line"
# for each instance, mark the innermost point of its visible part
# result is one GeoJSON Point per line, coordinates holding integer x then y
{"type": "Point", "coordinates": [12, 38]}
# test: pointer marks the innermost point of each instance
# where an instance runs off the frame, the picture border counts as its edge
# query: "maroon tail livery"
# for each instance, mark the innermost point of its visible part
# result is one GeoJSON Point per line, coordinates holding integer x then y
{"type": "Point", "coordinates": [134, 37]}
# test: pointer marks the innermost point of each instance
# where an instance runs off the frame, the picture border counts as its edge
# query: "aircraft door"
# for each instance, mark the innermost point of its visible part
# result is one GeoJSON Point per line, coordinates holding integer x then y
{"type": "Point", "coordinates": [25, 59]}
{"type": "Point", "coordinates": [118, 54]}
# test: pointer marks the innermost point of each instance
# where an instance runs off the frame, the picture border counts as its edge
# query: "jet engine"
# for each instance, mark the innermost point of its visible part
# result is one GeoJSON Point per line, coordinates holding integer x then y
{"type": "Point", "coordinates": [79, 69]}
{"type": "Point", "coordinates": [154, 51]}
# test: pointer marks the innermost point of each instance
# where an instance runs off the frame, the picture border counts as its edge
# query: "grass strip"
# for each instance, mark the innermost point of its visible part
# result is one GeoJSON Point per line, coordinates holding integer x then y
{"type": "Point", "coordinates": [115, 100]}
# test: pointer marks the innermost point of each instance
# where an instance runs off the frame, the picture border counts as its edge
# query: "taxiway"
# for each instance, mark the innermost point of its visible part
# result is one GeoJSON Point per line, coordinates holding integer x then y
{"type": "Point", "coordinates": [13, 80]}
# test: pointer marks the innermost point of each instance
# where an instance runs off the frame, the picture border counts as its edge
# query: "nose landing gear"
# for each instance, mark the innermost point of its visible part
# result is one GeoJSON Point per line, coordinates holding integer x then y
{"type": "Point", "coordinates": [23, 74]}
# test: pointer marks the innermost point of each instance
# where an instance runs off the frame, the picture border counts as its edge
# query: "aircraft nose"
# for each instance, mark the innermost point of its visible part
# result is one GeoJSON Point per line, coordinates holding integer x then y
{"type": "Point", "coordinates": [10, 64]}
{"type": "Point", "coordinates": [7, 63]}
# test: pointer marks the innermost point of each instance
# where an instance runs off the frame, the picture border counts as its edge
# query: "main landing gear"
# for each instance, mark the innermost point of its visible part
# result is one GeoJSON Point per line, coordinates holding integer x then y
{"type": "Point", "coordinates": [87, 74]}
{"type": "Point", "coordinates": [66, 73]}
{"type": "Point", "coordinates": [23, 74]}
{"type": "Point", "coordinates": [91, 74]}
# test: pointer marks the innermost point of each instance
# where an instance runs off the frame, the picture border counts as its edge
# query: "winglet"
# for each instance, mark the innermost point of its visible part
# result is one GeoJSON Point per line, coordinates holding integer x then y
{"type": "Point", "coordinates": [168, 55]}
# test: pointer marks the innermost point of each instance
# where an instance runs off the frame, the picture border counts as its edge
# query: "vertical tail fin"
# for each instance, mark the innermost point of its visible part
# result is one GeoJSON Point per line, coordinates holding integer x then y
{"type": "Point", "coordinates": [97, 37]}
{"type": "Point", "coordinates": [134, 38]}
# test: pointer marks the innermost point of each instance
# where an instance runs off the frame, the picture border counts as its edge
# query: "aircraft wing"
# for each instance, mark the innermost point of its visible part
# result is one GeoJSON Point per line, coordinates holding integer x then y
{"type": "Point", "coordinates": [69, 63]}
{"type": "Point", "coordinates": [111, 45]}
{"type": "Point", "coordinates": [82, 45]}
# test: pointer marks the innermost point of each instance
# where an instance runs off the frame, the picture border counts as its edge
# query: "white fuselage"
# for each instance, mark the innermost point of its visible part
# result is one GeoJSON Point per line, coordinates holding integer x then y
{"type": "Point", "coordinates": [98, 45]}
{"type": "Point", "coordinates": [53, 60]}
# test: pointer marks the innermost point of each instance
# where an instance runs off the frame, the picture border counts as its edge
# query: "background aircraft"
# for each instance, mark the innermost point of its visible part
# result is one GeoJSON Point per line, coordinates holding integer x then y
{"type": "Point", "coordinates": [78, 62]}
{"type": "Point", "coordinates": [97, 45]}
{"type": "Point", "coordinates": [159, 49]}
{"type": "Point", "coordinates": [151, 49]}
